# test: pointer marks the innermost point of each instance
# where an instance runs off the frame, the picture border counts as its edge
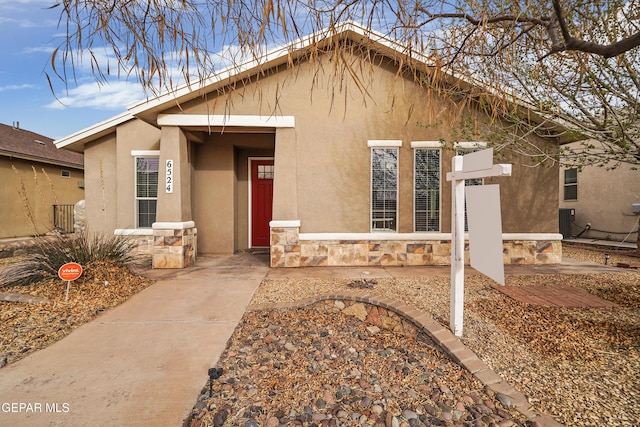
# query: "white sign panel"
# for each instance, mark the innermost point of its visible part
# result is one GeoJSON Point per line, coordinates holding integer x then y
{"type": "Point", "coordinates": [485, 230]}
{"type": "Point", "coordinates": [478, 160]}
{"type": "Point", "coordinates": [169, 177]}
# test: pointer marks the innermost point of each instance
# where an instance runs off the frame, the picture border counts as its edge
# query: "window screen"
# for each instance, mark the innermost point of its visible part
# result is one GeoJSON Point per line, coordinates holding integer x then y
{"type": "Point", "coordinates": [146, 190]}
{"type": "Point", "coordinates": [427, 190]}
{"type": "Point", "coordinates": [384, 189]}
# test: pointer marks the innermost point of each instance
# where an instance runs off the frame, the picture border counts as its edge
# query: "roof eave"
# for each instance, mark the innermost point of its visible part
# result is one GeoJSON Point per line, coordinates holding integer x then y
{"type": "Point", "coordinates": [44, 160]}
{"type": "Point", "coordinates": [76, 141]}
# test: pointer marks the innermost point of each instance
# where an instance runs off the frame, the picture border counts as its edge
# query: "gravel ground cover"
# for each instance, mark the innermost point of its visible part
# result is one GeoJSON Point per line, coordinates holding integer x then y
{"type": "Point", "coordinates": [314, 367]}
{"type": "Point", "coordinates": [579, 365]}
{"type": "Point", "coordinates": [28, 327]}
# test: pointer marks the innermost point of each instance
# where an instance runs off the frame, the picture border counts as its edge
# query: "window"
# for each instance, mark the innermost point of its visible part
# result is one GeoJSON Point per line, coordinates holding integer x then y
{"type": "Point", "coordinates": [384, 189]}
{"type": "Point", "coordinates": [65, 174]}
{"type": "Point", "coordinates": [265, 171]}
{"type": "Point", "coordinates": [427, 189]}
{"type": "Point", "coordinates": [146, 190]}
{"type": "Point", "coordinates": [571, 184]}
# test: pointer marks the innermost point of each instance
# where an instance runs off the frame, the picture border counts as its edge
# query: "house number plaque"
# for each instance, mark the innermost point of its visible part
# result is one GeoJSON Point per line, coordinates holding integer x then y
{"type": "Point", "coordinates": [169, 177]}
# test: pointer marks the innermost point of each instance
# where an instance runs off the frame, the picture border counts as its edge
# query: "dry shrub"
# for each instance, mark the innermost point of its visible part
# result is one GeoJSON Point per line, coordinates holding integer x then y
{"type": "Point", "coordinates": [51, 252]}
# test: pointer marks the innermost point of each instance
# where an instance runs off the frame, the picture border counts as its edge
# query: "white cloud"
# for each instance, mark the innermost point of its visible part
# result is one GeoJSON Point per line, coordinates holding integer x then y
{"type": "Point", "coordinates": [39, 49]}
{"type": "Point", "coordinates": [26, 5]}
{"type": "Point", "coordinates": [44, 3]}
{"type": "Point", "coordinates": [32, 14]}
{"type": "Point", "coordinates": [114, 95]}
{"type": "Point", "coordinates": [17, 87]}
{"type": "Point", "coordinates": [118, 94]}
{"type": "Point", "coordinates": [24, 23]}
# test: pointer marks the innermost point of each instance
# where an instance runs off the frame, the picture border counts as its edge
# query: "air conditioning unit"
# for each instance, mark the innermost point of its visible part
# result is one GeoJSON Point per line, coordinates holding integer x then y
{"type": "Point", "coordinates": [635, 208]}
{"type": "Point", "coordinates": [81, 184]}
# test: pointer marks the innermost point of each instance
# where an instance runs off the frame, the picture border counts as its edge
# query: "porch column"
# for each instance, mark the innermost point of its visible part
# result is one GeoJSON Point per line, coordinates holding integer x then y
{"type": "Point", "coordinates": [285, 227]}
{"type": "Point", "coordinates": [174, 231]}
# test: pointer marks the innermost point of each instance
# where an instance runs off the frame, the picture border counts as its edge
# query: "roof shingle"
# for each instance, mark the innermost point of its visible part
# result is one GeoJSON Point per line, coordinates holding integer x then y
{"type": "Point", "coordinates": [24, 144]}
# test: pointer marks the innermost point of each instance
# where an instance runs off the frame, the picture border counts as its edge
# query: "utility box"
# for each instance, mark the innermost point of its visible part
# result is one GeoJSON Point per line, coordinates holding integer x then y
{"type": "Point", "coordinates": [635, 208]}
{"type": "Point", "coordinates": [566, 217]}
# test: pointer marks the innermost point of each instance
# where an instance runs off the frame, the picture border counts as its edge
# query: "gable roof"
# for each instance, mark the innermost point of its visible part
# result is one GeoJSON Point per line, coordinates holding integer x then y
{"type": "Point", "coordinates": [23, 144]}
{"type": "Point", "coordinates": [285, 54]}
{"type": "Point", "coordinates": [148, 109]}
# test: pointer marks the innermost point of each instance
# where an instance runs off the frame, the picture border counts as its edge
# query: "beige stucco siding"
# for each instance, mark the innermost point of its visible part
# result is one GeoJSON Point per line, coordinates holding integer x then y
{"type": "Point", "coordinates": [101, 185]}
{"type": "Point", "coordinates": [529, 199]}
{"type": "Point", "coordinates": [29, 192]}
{"type": "Point", "coordinates": [110, 185]}
{"type": "Point", "coordinates": [604, 201]}
{"type": "Point", "coordinates": [334, 119]}
{"type": "Point", "coordinates": [132, 135]}
{"type": "Point", "coordinates": [214, 195]}
{"type": "Point", "coordinates": [285, 191]}
{"type": "Point", "coordinates": [175, 206]}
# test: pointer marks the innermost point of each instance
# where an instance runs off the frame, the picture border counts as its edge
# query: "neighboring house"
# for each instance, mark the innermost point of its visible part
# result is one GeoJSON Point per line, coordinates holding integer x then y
{"type": "Point", "coordinates": [39, 182]}
{"type": "Point", "coordinates": [303, 161]}
{"type": "Point", "coordinates": [597, 203]}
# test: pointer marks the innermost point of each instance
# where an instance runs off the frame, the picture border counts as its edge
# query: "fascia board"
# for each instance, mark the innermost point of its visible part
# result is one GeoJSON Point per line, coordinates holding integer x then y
{"type": "Point", "coordinates": [92, 132]}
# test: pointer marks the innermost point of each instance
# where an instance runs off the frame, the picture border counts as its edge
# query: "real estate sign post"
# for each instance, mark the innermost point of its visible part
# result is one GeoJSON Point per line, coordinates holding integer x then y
{"type": "Point", "coordinates": [484, 223]}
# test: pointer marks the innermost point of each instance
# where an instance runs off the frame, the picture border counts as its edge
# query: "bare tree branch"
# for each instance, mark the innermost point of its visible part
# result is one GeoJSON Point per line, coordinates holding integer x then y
{"type": "Point", "coordinates": [574, 62]}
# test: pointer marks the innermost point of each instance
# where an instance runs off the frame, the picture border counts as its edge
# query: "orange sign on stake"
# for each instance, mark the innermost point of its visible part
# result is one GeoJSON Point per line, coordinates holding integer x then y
{"type": "Point", "coordinates": [68, 272]}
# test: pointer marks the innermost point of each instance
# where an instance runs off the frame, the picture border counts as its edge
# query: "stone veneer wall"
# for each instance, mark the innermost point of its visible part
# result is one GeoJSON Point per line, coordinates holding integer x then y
{"type": "Point", "coordinates": [288, 250]}
{"type": "Point", "coordinates": [174, 248]}
{"type": "Point", "coordinates": [143, 245]}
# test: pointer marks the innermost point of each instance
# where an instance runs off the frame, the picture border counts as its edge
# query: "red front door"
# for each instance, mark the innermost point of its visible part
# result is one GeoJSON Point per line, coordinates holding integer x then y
{"type": "Point", "coordinates": [261, 201]}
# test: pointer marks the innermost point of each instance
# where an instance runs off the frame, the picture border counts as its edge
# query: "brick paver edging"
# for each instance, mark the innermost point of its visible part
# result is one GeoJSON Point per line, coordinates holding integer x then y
{"type": "Point", "coordinates": [448, 342]}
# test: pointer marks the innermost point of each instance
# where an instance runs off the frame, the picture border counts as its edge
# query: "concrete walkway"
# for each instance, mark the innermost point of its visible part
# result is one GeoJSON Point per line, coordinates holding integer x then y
{"type": "Point", "coordinates": [142, 363]}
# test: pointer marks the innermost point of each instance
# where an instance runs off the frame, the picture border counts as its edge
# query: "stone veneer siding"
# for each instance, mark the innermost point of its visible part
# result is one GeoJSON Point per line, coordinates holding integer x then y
{"type": "Point", "coordinates": [288, 250]}
{"type": "Point", "coordinates": [174, 248]}
{"type": "Point", "coordinates": [142, 245]}
{"type": "Point", "coordinates": [166, 248]}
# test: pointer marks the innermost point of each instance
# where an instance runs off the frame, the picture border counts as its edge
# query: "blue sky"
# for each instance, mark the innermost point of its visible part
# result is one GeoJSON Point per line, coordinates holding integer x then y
{"type": "Point", "coordinates": [28, 36]}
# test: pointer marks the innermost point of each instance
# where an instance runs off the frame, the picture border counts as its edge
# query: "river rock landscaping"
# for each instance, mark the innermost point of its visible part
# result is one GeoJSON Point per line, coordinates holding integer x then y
{"type": "Point", "coordinates": [313, 366]}
{"type": "Point", "coordinates": [316, 366]}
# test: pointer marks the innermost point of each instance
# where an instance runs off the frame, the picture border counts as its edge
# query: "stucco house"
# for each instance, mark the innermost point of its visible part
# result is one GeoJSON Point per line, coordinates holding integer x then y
{"type": "Point", "coordinates": [40, 183]}
{"type": "Point", "coordinates": [320, 167]}
{"type": "Point", "coordinates": [598, 203]}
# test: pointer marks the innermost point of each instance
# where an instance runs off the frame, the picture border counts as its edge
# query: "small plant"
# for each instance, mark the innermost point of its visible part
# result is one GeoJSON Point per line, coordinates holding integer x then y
{"type": "Point", "coordinates": [51, 252]}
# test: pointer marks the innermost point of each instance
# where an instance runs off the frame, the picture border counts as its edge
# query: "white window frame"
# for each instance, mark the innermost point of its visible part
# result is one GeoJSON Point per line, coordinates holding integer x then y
{"type": "Point", "coordinates": [427, 145]}
{"type": "Point", "coordinates": [138, 154]}
{"type": "Point", "coordinates": [65, 173]}
{"type": "Point", "coordinates": [384, 145]}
